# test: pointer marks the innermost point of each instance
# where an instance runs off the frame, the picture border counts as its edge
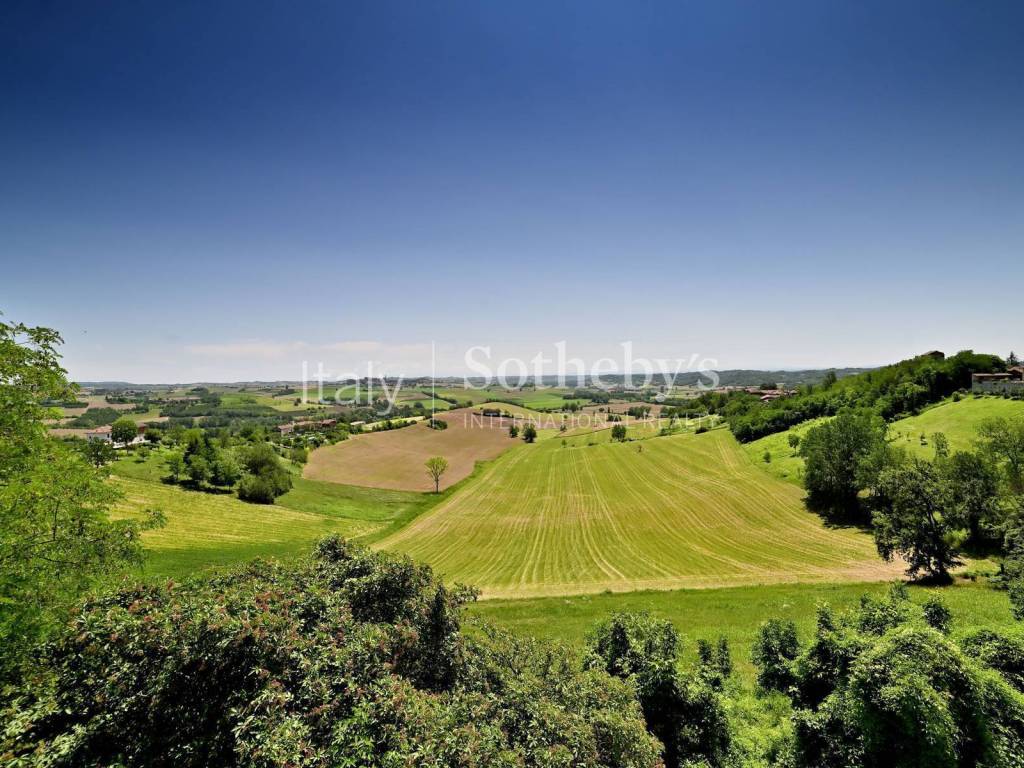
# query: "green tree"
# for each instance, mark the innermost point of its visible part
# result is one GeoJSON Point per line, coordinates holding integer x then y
{"type": "Point", "coordinates": [686, 715]}
{"type": "Point", "coordinates": [513, 431]}
{"type": "Point", "coordinates": [914, 517]}
{"type": "Point", "coordinates": [266, 477]}
{"type": "Point", "coordinates": [973, 483]}
{"type": "Point", "coordinates": [774, 652]}
{"type": "Point", "coordinates": [98, 452]}
{"type": "Point", "coordinates": [619, 432]}
{"type": "Point", "coordinates": [529, 433]}
{"type": "Point", "coordinates": [436, 467]}
{"type": "Point", "coordinates": [123, 431]}
{"type": "Point", "coordinates": [225, 470]}
{"type": "Point", "coordinates": [56, 537]}
{"type": "Point", "coordinates": [881, 687]}
{"type": "Point", "coordinates": [836, 454]}
{"type": "Point", "coordinates": [175, 464]}
{"type": "Point", "coordinates": [1003, 439]}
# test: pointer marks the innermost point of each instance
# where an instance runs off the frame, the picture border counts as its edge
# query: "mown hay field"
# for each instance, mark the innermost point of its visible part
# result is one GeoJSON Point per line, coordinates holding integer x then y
{"type": "Point", "coordinates": [662, 513]}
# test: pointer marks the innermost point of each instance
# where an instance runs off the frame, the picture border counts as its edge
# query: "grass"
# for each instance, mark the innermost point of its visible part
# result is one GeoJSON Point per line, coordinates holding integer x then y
{"type": "Point", "coordinates": [734, 613]}
{"type": "Point", "coordinates": [214, 529]}
{"type": "Point", "coordinates": [958, 421]}
{"type": "Point", "coordinates": [687, 511]}
{"type": "Point", "coordinates": [205, 530]}
{"type": "Point", "coordinates": [249, 399]}
{"type": "Point", "coordinates": [786, 463]}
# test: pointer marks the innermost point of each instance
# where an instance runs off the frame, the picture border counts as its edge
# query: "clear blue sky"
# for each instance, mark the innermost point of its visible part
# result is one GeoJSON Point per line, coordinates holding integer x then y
{"type": "Point", "coordinates": [217, 190]}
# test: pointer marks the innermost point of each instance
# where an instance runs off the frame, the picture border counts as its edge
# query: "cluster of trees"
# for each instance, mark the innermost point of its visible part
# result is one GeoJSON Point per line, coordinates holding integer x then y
{"type": "Point", "coordinates": [685, 713]}
{"type": "Point", "coordinates": [927, 511]}
{"type": "Point", "coordinates": [95, 417]}
{"type": "Point", "coordinates": [202, 464]}
{"type": "Point", "coordinates": [254, 467]}
{"type": "Point", "coordinates": [264, 478]}
{"type": "Point", "coordinates": [891, 391]}
{"type": "Point", "coordinates": [889, 685]}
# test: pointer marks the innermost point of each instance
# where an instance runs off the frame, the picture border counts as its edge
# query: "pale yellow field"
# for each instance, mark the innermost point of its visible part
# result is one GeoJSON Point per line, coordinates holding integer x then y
{"type": "Point", "coordinates": [395, 458]}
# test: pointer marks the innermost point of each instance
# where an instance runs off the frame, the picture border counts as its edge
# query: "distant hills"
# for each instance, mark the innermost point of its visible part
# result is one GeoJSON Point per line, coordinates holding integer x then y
{"type": "Point", "coordinates": [737, 377]}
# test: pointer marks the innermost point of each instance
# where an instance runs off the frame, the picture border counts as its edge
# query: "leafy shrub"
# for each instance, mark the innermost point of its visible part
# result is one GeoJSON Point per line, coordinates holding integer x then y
{"type": "Point", "coordinates": [774, 651]}
{"type": "Point", "coordinates": [348, 658]}
{"type": "Point", "coordinates": [686, 715]}
{"type": "Point", "coordinates": [882, 687]}
{"type": "Point", "coordinates": [266, 479]}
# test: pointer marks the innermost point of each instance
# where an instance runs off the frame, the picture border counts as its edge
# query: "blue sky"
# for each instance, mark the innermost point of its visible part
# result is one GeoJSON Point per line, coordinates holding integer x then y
{"type": "Point", "coordinates": [213, 191]}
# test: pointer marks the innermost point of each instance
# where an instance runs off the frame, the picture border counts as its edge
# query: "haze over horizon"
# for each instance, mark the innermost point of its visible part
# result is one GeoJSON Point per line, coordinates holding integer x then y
{"type": "Point", "coordinates": [194, 192]}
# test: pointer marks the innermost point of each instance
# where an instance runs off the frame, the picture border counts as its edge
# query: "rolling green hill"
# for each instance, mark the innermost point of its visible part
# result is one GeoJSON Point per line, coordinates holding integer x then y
{"type": "Point", "coordinates": [667, 512]}
{"type": "Point", "coordinates": [209, 529]}
{"type": "Point", "coordinates": [959, 421]}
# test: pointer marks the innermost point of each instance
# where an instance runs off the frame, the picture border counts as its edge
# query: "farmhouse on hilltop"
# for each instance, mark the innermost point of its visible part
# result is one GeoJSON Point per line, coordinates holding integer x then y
{"type": "Point", "coordinates": [999, 383]}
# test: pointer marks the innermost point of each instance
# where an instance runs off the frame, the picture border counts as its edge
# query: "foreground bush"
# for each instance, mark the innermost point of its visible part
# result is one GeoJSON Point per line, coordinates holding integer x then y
{"type": "Point", "coordinates": [886, 686]}
{"type": "Point", "coordinates": [685, 713]}
{"type": "Point", "coordinates": [349, 659]}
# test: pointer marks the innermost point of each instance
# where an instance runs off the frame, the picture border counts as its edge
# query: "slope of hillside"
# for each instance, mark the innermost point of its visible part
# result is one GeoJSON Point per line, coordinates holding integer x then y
{"type": "Point", "coordinates": [959, 422]}
{"type": "Point", "coordinates": [680, 511]}
{"type": "Point", "coordinates": [205, 529]}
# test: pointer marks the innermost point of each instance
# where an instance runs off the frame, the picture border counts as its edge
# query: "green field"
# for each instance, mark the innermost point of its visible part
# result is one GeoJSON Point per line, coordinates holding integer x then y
{"type": "Point", "coordinates": [734, 612]}
{"type": "Point", "coordinates": [959, 421]}
{"type": "Point", "coordinates": [786, 463]}
{"type": "Point", "coordinates": [206, 529]}
{"type": "Point", "coordinates": [249, 399]}
{"type": "Point", "coordinates": [686, 511]}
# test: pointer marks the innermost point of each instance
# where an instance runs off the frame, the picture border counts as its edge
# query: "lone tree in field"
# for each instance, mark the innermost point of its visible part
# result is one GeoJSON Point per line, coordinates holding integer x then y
{"type": "Point", "coordinates": [437, 466]}
{"type": "Point", "coordinates": [123, 431]}
{"type": "Point", "coordinates": [529, 433]}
